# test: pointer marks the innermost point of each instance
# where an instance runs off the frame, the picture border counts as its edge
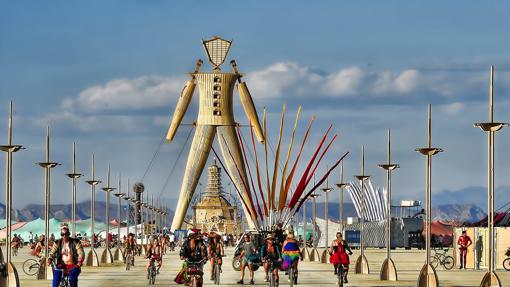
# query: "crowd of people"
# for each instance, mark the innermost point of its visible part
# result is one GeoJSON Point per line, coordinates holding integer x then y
{"type": "Point", "coordinates": [276, 250]}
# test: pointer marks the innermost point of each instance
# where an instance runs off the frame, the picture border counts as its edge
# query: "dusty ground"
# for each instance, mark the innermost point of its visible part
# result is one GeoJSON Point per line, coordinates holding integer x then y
{"type": "Point", "coordinates": [310, 273]}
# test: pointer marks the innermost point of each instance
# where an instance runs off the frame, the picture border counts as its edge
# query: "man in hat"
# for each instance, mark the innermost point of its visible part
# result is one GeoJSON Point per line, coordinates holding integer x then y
{"type": "Point", "coordinates": [68, 254]}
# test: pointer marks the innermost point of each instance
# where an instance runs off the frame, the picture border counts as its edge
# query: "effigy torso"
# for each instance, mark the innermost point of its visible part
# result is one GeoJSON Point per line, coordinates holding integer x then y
{"type": "Point", "coordinates": [216, 92]}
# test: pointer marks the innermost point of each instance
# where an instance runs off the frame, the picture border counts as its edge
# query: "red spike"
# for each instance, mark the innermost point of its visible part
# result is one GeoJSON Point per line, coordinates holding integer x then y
{"type": "Point", "coordinates": [302, 183]}
{"type": "Point", "coordinates": [293, 170]}
{"type": "Point", "coordinates": [320, 182]}
{"type": "Point", "coordinates": [249, 170]}
{"type": "Point", "coordinates": [266, 212]}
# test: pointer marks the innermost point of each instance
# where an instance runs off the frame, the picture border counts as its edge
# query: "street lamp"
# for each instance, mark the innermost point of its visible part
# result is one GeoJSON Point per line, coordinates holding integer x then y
{"type": "Point", "coordinates": [12, 274]}
{"type": "Point", "coordinates": [107, 257]}
{"type": "Point", "coordinates": [490, 278]}
{"type": "Point", "coordinates": [92, 259]}
{"type": "Point", "coordinates": [362, 263]}
{"type": "Point", "coordinates": [44, 272]}
{"type": "Point", "coordinates": [428, 275]}
{"type": "Point", "coordinates": [388, 269]}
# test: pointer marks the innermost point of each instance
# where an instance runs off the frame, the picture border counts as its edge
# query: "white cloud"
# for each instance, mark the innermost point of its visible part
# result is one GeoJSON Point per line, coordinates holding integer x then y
{"type": "Point", "coordinates": [274, 80]}
{"type": "Point", "coordinates": [290, 79]}
{"type": "Point", "coordinates": [93, 123]}
{"type": "Point", "coordinates": [344, 82]}
{"type": "Point", "coordinates": [453, 108]}
{"type": "Point", "coordinates": [407, 81]}
{"type": "Point", "coordinates": [118, 94]}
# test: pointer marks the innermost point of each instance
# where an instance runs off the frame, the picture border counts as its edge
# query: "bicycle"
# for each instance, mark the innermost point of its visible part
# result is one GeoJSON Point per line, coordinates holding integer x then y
{"type": "Point", "coordinates": [130, 260]}
{"type": "Point", "coordinates": [151, 273]}
{"type": "Point", "coordinates": [194, 271]}
{"type": "Point", "coordinates": [272, 278]}
{"type": "Point", "coordinates": [31, 266]}
{"type": "Point", "coordinates": [216, 271]}
{"type": "Point", "coordinates": [340, 274]}
{"type": "Point", "coordinates": [292, 272]}
{"type": "Point", "coordinates": [506, 262]}
{"type": "Point", "coordinates": [64, 281]}
{"type": "Point", "coordinates": [440, 258]}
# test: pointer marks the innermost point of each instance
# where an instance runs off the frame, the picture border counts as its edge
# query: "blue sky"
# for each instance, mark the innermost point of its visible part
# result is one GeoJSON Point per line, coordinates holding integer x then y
{"type": "Point", "coordinates": [107, 74]}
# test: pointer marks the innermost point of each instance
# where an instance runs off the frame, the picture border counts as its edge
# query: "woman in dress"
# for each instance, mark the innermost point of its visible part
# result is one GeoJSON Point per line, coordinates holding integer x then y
{"type": "Point", "coordinates": [338, 251]}
{"type": "Point", "coordinates": [291, 254]}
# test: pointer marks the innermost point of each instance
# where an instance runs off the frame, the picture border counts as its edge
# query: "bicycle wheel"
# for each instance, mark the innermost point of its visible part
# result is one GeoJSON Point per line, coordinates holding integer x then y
{"type": "Point", "coordinates": [271, 280]}
{"type": "Point", "coordinates": [434, 261]}
{"type": "Point", "coordinates": [506, 264]}
{"type": "Point", "coordinates": [128, 262]}
{"type": "Point", "coordinates": [216, 274]}
{"type": "Point", "coordinates": [30, 266]}
{"type": "Point", "coordinates": [448, 262]}
{"type": "Point", "coordinates": [340, 275]}
{"type": "Point", "coordinates": [291, 276]}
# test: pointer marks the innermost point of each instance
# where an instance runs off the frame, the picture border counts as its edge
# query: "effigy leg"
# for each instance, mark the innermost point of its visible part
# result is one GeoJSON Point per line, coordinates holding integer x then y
{"type": "Point", "coordinates": [197, 158]}
{"type": "Point", "coordinates": [231, 150]}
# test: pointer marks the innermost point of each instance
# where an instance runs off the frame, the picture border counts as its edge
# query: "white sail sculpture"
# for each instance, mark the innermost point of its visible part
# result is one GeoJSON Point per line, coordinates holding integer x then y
{"type": "Point", "coordinates": [375, 200]}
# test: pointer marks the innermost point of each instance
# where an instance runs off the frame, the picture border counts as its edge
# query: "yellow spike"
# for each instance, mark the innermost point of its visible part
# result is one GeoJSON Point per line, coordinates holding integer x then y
{"type": "Point", "coordinates": [267, 167]}
{"type": "Point", "coordinates": [283, 194]}
{"type": "Point", "coordinates": [277, 158]}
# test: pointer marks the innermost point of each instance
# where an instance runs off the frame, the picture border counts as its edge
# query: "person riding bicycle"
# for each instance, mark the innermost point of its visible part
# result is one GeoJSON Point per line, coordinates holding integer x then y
{"type": "Point", "coordinates": [193, 250]}
{"type": "Point", "coordinates": [338, 251]}
{"type": "Point", "coordinates": [464, 242]}
{"type": "Point", "coordinates": [130, 247]}
{"type": "Point", "coordinates": [154, 253]}
{"type": "Point", "coordinates": [291, 254]}
{"type": "Point", "coordinates": [270, 252]}
{"type": "Point", "coordinates": [68, 254]}
{"type": "Point", "coordinates": [215, 251]}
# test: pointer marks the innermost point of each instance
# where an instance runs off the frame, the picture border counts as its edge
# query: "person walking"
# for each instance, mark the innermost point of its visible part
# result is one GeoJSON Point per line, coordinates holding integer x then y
{"type": "Point", "coordinates": [248, 256]}
{"type": "Point", "coordinates": [464, 242]}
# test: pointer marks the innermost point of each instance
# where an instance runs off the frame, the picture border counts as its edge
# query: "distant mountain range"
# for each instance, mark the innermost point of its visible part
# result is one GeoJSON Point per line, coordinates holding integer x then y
{"type": "Point", "coordinates": [448, 212]}
{"type": "Point", "coordinates": [457, 212]}
{"type": "Point", "coordinates": [64, 211]}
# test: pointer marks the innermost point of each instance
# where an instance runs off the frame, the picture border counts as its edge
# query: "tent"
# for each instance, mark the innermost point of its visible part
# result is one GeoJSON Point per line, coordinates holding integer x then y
{"type": "Point", "coordinates": [3, 223]}
{"type": "Point", "coordinates": [14, 227]}
{"type": "Point", "coordinates": [83, 227]}
{"type": "Point", "coordinates": [37, 227]}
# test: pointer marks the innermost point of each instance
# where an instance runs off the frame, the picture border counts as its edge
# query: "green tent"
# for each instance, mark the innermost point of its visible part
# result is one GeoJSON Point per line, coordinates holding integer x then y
{"type": "Point", "coordinates": [37, 227]}
{"type": "Point", "coordinates": [83, 226]}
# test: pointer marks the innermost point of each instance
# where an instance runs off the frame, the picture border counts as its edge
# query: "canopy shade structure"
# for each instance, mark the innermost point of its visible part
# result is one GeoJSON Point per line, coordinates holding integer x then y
{"type": "Point", "coordinates": [3, 223]}
{"type": "Point", "coordinates": [37, 227]}
{"type": "Point", "coordinates": [14, 228]}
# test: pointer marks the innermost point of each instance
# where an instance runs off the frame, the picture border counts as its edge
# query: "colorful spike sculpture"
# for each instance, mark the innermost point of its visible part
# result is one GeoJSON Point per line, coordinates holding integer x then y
{"type": "Point", "coordinates": [277, 202]}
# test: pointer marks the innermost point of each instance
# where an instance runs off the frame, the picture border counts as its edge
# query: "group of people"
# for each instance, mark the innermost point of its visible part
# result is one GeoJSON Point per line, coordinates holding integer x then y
{"type": "Point", "coordinates": [196, 249]}
{"type": "Point", "coordinates": [278, 251]}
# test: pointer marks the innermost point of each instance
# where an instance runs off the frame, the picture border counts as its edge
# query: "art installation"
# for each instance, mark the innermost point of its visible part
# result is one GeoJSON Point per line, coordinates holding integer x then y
{"type": "Point", "coordinates": [375, 204]}
{"type": "Point", "coordinates": [215, 116]}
